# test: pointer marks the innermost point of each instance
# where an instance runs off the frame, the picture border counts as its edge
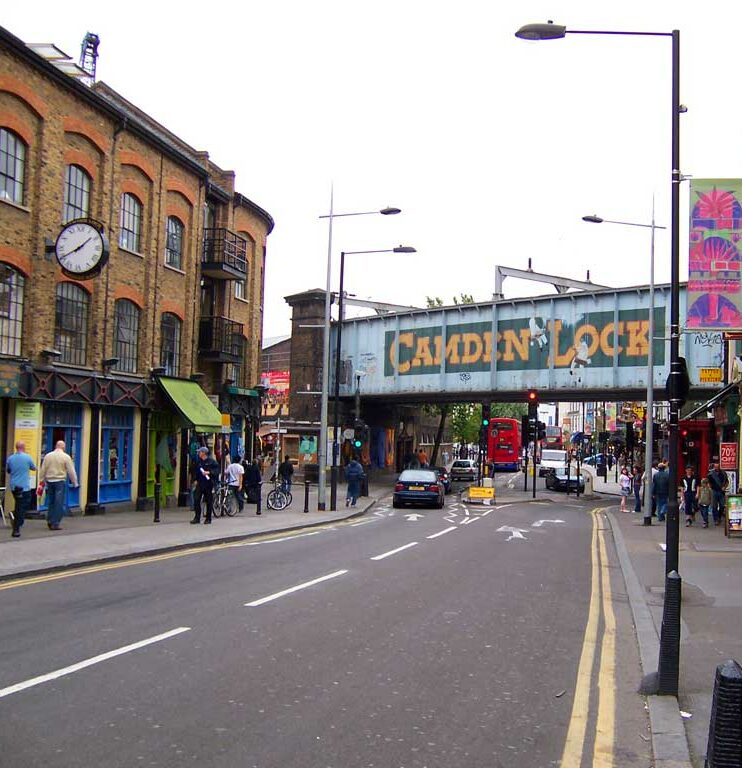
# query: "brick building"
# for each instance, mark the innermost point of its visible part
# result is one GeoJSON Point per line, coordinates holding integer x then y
{"type": "Point", "coordinates": [128, 366]}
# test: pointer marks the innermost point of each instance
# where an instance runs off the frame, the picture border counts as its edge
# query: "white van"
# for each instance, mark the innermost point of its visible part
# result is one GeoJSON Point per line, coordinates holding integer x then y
{"type": "Point", "coordinates": [551, 459]}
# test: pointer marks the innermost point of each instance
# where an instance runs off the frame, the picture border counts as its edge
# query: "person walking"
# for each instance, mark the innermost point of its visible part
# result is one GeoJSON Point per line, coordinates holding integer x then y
{"type": "Point", "coordinates": [19, 466]}
{"type": "Point", "coordinates": [285, 473]}
{"type": "Point", "coordinates": [56, 468]}
{"type": "Point", "coordinates": [422, 457]}
{"type": "Point", "coordinates": [353, 474]}
{"type": "Point", "coordinates": [205, 471]}
{"type": "Point", "coordinates": [689, 485]}
{"type": "Point", "coordinates": [705, 499]}
{"type": "Point", "coordinates": [624, 484]}
{"type": "Point", "coordinates": [718, 481]}
{"type": "Point", "coordinates": [252, 480]}
{"type": "Point", "coordinates": [234, 476]}
{"type": "Point", "coordinates": [661, 491]}
{"type": "Point", "coordinates": [636, 480]}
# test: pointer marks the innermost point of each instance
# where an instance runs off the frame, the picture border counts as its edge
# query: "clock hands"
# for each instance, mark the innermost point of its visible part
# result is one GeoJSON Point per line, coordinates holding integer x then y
{"type": "Point", "coordinates": [82, 245]}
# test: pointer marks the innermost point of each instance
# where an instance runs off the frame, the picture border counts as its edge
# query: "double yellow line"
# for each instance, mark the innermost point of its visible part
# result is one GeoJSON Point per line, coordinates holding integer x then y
{"type": "Point", "coordinates": [605, 721]}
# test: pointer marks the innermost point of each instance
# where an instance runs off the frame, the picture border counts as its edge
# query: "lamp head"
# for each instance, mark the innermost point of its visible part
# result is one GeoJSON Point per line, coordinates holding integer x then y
{"type": "Point", "coordinates": [593, 219]}
{"type": "Point", "coordinates": [390, 211]}
{"type": "Point", "coordinates": [404, 249]}
{"type": "Point", "coordinates": [548, 31]}
{"type": "Point", "coordinates": [110, 362]}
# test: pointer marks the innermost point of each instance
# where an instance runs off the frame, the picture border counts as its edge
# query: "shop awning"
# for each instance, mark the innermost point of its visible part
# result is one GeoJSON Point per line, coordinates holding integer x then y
{"type": "Point", "coordinates": [192, 403]}
{"type": "Point", "coordinates": [720, 395]}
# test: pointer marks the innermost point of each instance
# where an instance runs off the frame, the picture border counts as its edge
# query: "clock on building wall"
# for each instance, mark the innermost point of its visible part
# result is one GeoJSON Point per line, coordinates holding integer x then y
{"type": "Point", "coordinates": [81, 248]}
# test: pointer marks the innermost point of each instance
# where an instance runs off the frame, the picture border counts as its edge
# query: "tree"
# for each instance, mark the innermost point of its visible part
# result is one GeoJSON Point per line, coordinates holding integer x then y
{"type": "Point", "coordinates": [464, 298]}
{"type": "Point", "coordinates": [433, 301]}
{"type": "Point", "coordinates": [437, 301]}
{"type": "Point", "coordinates": [509, 410]}
{"type": "Point", "coordinates": [465, 422]}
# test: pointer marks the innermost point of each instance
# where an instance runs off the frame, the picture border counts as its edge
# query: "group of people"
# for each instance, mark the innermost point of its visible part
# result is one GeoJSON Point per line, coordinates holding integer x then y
{"type": "Point", "coordinates": [705, 494]}
{"type": "Point", "coordinates": [417, 460]}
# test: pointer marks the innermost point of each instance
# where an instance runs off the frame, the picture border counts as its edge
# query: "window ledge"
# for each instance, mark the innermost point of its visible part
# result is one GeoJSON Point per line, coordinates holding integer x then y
{"type": "Point", "coordinates": [244, 301]}
{"type": "Point", "coordinates": [20, 207]}
{"type": "Point", "coordinates": [174, 269]}
{"type": "Point", "coordinates": [128, 250]}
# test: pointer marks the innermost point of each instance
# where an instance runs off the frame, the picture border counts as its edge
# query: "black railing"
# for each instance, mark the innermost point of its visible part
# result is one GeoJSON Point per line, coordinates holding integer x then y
{"type": "Point", "coordinates": [224, 249]}
{"type": "Point", "coordinates": [220, 339]}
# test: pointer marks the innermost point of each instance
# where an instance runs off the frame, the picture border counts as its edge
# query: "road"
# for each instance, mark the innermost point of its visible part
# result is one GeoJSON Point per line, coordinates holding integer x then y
{"type": "Point", "coordinates": [407, 638]}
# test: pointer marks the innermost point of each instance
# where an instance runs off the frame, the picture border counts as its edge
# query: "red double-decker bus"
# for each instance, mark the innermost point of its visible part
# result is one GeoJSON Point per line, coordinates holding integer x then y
{"type": "Point", "coordinates": [504, 444]}
{"type": "Point", "coordinates": [554, 438]}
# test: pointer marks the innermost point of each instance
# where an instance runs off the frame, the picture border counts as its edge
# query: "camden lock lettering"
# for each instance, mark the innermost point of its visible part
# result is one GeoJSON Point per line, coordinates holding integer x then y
{"type": "Point", "coordinates": [533, 343]}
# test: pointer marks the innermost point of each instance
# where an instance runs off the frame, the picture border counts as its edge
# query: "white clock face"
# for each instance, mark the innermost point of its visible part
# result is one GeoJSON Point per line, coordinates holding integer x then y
{"type": "Point", "coordinates": [79, 248]}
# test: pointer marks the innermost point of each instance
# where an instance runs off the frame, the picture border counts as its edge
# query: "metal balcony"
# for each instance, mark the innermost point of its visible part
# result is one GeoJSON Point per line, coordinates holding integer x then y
{"type": "Point", "coordinates": [224, 255]}
{"type": "Point", "coordinates": [220, 340]}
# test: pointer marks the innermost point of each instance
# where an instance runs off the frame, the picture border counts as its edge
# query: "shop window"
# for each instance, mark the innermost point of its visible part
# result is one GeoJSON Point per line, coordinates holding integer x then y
{"type": "Point", "coordinates": [174, 243]}
{"type": "Point", "coordinates": [117, 430]}
{"type": "Point", "coordinates": [170, 343]}
{"type": "Point", "coordinates": [12, 166]}
{"type": "Point", "coordinates": [71, 323]}
{"type": "Point", "coordinates": [76, 193]}
{"type": "Point", "coordinates": [126, 335]}
{"type": "Point", "coordinates": [130, 230]}
{"type": "Point", "coordinates": [11, 310]}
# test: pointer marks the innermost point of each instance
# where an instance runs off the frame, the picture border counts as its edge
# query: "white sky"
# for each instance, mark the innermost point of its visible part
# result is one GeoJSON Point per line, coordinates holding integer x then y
{"type": "Point", "coordinates": [493, 147]}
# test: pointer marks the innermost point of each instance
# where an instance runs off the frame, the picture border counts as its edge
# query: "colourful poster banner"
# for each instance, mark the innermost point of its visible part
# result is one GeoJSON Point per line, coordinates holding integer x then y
{"type": "Point", "coordinates": [714, 295]}
{"type": "Point", "coordinates": [27, 427]}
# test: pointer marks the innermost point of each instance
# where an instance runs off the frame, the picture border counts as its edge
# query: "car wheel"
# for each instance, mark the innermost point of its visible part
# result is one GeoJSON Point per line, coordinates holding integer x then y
{"type": "Point", "coordinates": [396, 505]}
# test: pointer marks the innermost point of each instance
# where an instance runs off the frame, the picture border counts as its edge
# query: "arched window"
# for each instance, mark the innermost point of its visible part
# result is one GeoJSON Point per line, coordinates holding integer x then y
{"type": "Point", "coordinates": [126, 335]}
{"type": "Point", "coordinates": [71, 323]}
{"type": "Point", "coordinates": [12, 166]}
{"type": "Point", "coordinates": [241, 290]}
{"type": "Point", "coordinates": [170, 343]}
{"type": "Point", "coordinates": [76, 193]}
{"type": "Point", "coordinates": [130, 235]}
{"type": "Point", "coordinates": [174, 242]}
{"type": "Point", "coordinates": [11, 310]}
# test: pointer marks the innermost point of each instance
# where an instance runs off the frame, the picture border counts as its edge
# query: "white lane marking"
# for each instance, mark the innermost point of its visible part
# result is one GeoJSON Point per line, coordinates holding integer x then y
{"type": "Point", "coordinates": [288, 591]}
{"type": "Point", "coordinates": [466, 512]}
{"type": "Point", "coordinates": [394, 551]}
{"type": "Point", "coordinates": [414, 517]}
{"type": "Point", "coordinates": [379, 513]}
{"type": "Point", "coordinates": [284, 538]}
{"type": "Point", "coordinates": [663, 547]}
{"type": "Point", "coordinates": [539, 523]}
{"type": "Point", "coordinates": [515, 533]}
{"type": "Point", "coordinates": [89, 662]}
{"type": "Point", "coordinates": [502, 506]}
{"type": "Point", "coordinates": [468, 520]}
{"type": "Point", "coordinates": [440, 533]}
{"type": "Point", "coordinates": [485, 513]}
{"type": "Point", "coordinates": [363, 522]}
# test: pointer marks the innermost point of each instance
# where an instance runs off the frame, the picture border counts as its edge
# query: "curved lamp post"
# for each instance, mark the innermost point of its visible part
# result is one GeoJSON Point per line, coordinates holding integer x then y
{"type": "Point", "coordinates": [336, 404]}
{"type": "Point", "coordinates": [322, 448]}
{"type": "Point", "coordinates": [669, 665]}
{"type": "Point", "coordinates": [649, 436]}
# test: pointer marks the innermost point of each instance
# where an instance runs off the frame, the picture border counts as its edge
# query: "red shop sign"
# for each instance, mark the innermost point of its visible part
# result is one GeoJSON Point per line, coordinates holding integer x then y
{"type": "Point", "coordinates": [728, 456]}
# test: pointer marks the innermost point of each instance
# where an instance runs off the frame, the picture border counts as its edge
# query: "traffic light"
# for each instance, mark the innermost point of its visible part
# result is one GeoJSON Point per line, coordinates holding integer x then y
{"type": "Point", "coordinates": [360, 434]}
{"type": "Point", "coordinates": [486, 411]}
{"type": "Point", "coordinates": [532, 398]}
{"type": "Point", "coordinates": [541, 430]}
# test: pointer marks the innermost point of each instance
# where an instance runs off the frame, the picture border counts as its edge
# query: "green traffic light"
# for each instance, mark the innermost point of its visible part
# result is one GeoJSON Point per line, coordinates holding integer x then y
{"type": "Point", "coordinates": [357, 443]}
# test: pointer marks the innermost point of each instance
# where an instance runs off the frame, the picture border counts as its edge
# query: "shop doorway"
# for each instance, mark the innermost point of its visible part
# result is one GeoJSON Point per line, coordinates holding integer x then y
{"type": "Point", "coordinates": [64, 422]}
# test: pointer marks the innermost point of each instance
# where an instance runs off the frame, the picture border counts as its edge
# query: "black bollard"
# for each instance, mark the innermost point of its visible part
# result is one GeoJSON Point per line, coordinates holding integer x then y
{"type": "Point", "coordinates": [158, 489]}
{"type": "Point", "coordinates": [259, 499]}
{"type": "Point", "coordinates": [669, 664]}
{"type": "Point", "coordinates": [725, 729]}
{"type": "Point", "coordinates": [306, 495]}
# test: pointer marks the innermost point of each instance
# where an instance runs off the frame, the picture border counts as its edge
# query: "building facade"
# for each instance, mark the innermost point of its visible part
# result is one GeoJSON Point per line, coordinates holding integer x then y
{"type": "Point", "coordinates": [123, 365]}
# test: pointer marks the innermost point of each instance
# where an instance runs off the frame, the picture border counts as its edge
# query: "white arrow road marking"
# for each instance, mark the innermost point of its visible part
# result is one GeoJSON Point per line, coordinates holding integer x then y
{"type": "Point", "coordinates": [515, 533]}
{"type": "Point", "coordinates": [394, 551]}
{"type": "Point", "coordinates": [288, 591]}
{"type": "Point", "coordinates": [440, 533]}
{"type": "Point", "coordinates": [413, 517]}
{"type": "Point", "coordinates": [89, 662]}
{"type": "Point", "coordinates": [539, 523]}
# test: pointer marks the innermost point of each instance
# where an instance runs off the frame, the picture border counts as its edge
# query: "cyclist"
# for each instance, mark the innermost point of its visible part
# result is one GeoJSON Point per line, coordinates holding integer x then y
{"type": "Point", "coordinates": [234, 477]}
{"type": "Point", "coordinates": [285, 472]}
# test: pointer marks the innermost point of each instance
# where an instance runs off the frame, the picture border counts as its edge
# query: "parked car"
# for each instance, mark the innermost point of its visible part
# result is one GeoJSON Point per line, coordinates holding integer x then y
{"type": "Point", "coordinates": [557, 480]}
{"type": "Point", "coordinates": [464, 469]}
{"type": "Point", "coordinates": [418, 486]}
{"type": "Point", "coordinates": [445, 478]}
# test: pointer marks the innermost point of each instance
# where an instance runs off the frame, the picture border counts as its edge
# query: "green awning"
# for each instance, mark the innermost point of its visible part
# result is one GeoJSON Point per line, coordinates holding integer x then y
{"type": "Point", "coordinates": [193, 404]}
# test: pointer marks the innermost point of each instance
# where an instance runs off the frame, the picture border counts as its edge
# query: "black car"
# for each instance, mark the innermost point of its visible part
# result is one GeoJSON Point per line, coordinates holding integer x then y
{"type": "Point", "coordinates": [418, 486]}
{"type": "Point", "coordinates": [557, 480]}
{"type": "Point", "coordinates": [445, 478]}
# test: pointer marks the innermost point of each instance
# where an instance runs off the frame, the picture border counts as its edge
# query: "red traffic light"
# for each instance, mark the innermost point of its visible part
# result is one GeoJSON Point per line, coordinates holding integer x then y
{"type": "Point", "coordinates": [532, 396]}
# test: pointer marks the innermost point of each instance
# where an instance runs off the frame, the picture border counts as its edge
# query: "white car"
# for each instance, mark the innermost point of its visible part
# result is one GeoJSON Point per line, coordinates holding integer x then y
{"type": "Point", "coordinates": [464, 469]}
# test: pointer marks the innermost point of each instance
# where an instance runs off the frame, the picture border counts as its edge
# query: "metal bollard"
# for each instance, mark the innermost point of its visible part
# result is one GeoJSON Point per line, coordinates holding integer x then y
{"type": "Point", "coordinates": [669, 663]}
{"type": "Point", "coordinates": [725, 729]}
{"type": "Point", "coordinates": [306, 495]}
{"type": "Point", "coordinates": [158, 490]}
{"type": "Point", "coordinates": [259, 499]}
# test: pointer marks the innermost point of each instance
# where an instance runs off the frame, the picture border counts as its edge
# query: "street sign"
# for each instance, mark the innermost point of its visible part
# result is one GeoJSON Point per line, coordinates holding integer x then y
{"type": "Point", "coordinates": [279, 431]}
{"type": "Point", "coordinates": [475, 492]}
{"type": "Point", "coordinates": [709, 375]}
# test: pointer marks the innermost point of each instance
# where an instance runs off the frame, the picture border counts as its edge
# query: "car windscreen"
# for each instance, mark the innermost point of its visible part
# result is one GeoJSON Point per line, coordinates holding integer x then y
{"type": "Point", "coordinates": [418, 476]}
{"type": "Point", "coordinates": [553, 456]}
{"type": "Point", "coordinates": [465, 464]}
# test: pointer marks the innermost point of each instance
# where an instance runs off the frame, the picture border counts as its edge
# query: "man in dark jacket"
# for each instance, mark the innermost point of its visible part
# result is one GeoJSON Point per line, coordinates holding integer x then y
{"type": "Point", "coordinates": [661, 491]}
{"type": "Point", "coordinates": [285, 473]}
{"type": "Point", "coordinates": [718, 481]}
{"type": "Point", "coordinates": [205, 472]}
{"type": "Point", "coordinates": [252, 481]}
{"type": "Point", "coordinates": [354, 475]}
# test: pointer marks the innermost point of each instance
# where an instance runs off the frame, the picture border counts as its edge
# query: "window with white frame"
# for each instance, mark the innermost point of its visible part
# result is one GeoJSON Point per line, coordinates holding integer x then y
{"type": "Point", "coordinates": [76, 193]}
{"type": "Point", "coordinates": [241, 289]}
{"type": "Point", "coordinates": [11, 310]}
{"type": "Point", "coordinates": [12, 166]}
{"type": "Point", "coordinates": [170, 343]}
{"type": "Point", "coordinates": [174, 242]}
{"type": "Point", "coordinates": [126, 335]}
{"type": "Point", "coordinates": [130, 226]}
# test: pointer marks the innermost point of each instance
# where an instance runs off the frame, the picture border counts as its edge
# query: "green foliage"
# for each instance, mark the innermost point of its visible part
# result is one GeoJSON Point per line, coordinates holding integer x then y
{"type": "Point", "coordinates": [464, 298]}
{"type": "Point", "coordinates": [433, 301]}
{"type": "Point", "coordinates": [437, 301]}
{"type": "Point", "coordinates": [465, 421]}
{"type": "Point", "coordinates": [509, 410]}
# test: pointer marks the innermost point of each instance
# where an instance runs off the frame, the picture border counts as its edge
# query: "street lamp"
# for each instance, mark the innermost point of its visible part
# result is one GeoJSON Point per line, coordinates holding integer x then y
{"type": "Point", "coordinates": [336, 404]}
{"type": "Point", "coordinates": [669, 662]}
{"type": "Point", "coordinates": [322, 452]}
{"type": "Point", "coordinates": [649, 433]}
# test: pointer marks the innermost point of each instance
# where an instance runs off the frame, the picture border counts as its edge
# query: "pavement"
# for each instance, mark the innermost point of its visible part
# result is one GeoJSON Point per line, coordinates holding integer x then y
{"type": "Point", "coordinates": [710, 565]}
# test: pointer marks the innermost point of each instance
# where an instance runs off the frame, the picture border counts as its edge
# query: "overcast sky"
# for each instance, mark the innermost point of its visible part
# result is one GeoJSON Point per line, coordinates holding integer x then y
{"type": "Point", "coordinates": [493, 147]}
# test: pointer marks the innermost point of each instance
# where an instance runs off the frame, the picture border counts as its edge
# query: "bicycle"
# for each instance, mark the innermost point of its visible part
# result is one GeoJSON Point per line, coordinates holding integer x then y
{"type": "Point", "coordinates": [280, 497]}
{"type": "Point", "coordinates": [225, 504]}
